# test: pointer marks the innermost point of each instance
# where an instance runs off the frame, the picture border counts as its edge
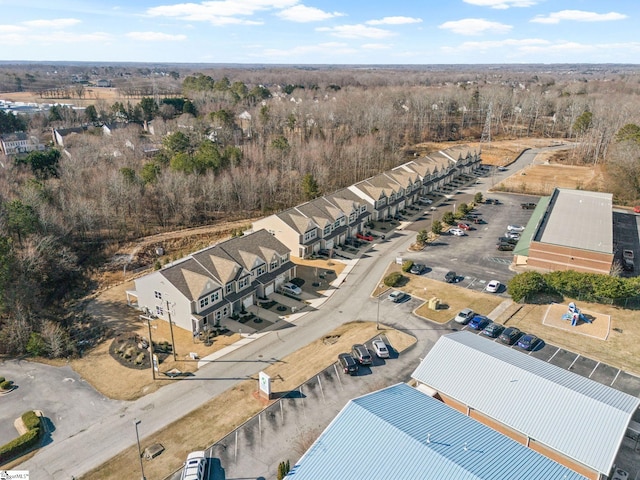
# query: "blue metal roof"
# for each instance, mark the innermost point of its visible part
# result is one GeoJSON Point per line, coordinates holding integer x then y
{"type": "Point", "coordinates": [580, 418]}
{"type": "Point", "coordinates": [402, 433]}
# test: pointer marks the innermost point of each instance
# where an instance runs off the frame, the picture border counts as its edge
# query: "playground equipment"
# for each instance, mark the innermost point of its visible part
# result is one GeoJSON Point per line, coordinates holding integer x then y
{"type": "Point", "coordinates": [574, 314]}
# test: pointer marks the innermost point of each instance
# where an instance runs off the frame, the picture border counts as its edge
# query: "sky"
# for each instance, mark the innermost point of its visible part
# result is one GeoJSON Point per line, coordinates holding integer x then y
{"type": "Point", "coordinates": [297, 32]}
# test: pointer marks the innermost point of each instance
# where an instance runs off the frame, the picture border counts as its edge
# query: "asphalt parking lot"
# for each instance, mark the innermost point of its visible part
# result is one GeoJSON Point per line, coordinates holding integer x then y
{"type": "Point", "coordinates": [473, 257]}
{"type": "Point", "coordinates": [286, 428]}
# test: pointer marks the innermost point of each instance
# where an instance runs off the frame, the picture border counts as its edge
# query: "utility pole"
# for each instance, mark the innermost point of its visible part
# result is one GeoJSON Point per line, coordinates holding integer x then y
{"type": "Point", "coordinates": [173, 343]}
{"type": "Point", "coordinates": [136, 423]}
{"type": "Point", "coordinates": [153, 370]}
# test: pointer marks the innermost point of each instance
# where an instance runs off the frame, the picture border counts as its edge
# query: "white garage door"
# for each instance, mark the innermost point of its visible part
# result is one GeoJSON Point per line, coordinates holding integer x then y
{"type": "Point", "coordinates": [247, 302]}
{"type": "Point", "coordinates": [268, 289]}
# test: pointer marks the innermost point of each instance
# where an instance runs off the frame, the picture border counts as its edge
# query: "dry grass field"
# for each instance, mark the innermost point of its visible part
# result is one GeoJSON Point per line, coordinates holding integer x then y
{"type": "Point", "coordinates": [542, 179]}
{"type": "Point", "coordinates": [91, 96]}
{"type": "Point", "coordinates": [225, 412]}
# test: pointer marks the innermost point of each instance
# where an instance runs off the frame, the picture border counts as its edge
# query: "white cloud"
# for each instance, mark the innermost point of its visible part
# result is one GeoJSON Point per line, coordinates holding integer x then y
{"type": "Point", "coordinates": [502, 4]}
{"type": "Point", "coordinates": [56, 23]}
{"type": "Point", "coordinates": [475, 26]}
{"type": "Point", "coordinates": [394, 21]}
{"type": "Point", "coordinates": [375, 46]}
{"type": "Point", "coordinates": [155, 36]}
{"type": "Point", "coordinates": [578, 16]}
{"type": "Point", "coordinates": [220, 12]}
{"type": "Point", "coordinates": [495, 44]}
{"type": "Point", "coordinates": [11, 29]}
{"type": "Point", "coordinates": [303, 14]}
{"type": "Point", "coordinates": [356, 31]}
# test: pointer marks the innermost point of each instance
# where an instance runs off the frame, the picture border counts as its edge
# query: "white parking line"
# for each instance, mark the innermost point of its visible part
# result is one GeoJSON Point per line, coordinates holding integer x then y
{"type": "Point", "coordinates": [335, 367]}
{"type": "Point", "coordinates": [554, 354]}
{"type": "Point", "coordinates": [574, 361]}
{"type": "Point", "coordinates": [615, 378]}
{"type": "Point", "coordinates": [594, 369]}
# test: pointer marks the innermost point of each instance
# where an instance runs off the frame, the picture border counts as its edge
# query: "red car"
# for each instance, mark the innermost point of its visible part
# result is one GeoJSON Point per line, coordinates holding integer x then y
{"type": "Point", "coordinates": [364, 236]}
{"type": "Point", "coordinates": [464, 226]}
{"type": "Point", "coordinates": [636, 209]}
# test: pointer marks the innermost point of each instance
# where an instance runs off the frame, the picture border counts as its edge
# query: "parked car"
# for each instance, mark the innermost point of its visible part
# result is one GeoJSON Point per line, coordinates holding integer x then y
{"type": "Point", "coordinates": [458, 232]}
{"type": "Point", "coordinates": [528, 342]}
{"type": "Point", "coordinates": [502, 169]}
{"type": "Point", "coordinates": [493, 330]}
{"type": "Point", "coordinates": [365, 236]}
{"type": "Point", "coordinates": [464, 316]}
{"type": "Point", "coordinates": [513, 241]}
{"type": "Point", "coordinates": [528, 206]}
{"type": "Point", "coordinates": [505, 247]}
{"type": "Point", "coordinates": [479, 322]}
{"type": "Point", "coordinates": [515, 228]}
{"type": "Point", "coordinates": [478, 221]}
{"type": "Point", "coordinates": [636, 209]}
{"type": "Point", "coordinates": [417, 269]}
{"type": "Point", "coordinates": [195, 466]}
{"type": "Point", "coordinates": [510, 335]}
{"type": "Point", "coordinates": [627, 260]}
{"type": "Point", "coordinates": [290, 288]}
{"type": "Point", "coordinates": [425, 200]}
{"type": "Point", "coordinates": [493, 286]}
{"type": "Point", "coordinates": [324, 252]}
{"type": "Point", "coordinates": [380, 348]}
{"type": "Point", "coordinates": [397, 296]}
{"type": "Point", "coordinates": [361, 353]}
{"type": "Point", "coordinates": [348, 363]}
{"type": "Point", "coordinates": [489, 201]}
{"type": "Point", "coordinates": [464, 226]}
{"type": "Point", "coordinates": [450, 277]}
{"type": "Point", "coordinates": [512, 235]}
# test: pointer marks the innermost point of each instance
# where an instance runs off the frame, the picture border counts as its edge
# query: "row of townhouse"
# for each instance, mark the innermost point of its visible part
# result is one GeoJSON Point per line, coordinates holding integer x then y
{"type": "Point", "coordinates": [198, 291]}
{"type": "Point", "coordinates": [19, 142]}
{"type": "Point", "coordinates": [328, 221]}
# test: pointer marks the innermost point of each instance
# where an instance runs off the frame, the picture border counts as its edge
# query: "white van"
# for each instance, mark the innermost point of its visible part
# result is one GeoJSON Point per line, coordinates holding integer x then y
{"type": "Point", "coordinates": [195, 466]}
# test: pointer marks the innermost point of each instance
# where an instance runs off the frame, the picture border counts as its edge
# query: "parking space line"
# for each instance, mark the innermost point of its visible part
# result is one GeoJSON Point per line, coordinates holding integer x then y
{"type": "Point", "coordinates": [472, 282]}
{"type": "Point", "coordinates": [615, 378]}
{"type": "Point", "coordinates": [335, 367]}
{"type": "Point", "coordinates": [321, 389]}
{"type": "Point", "coordinates": [594, 369]}
{"type": "Point", "coordinates": [574, 361]}
{"type": "Point", "coordinates": [554, 354]}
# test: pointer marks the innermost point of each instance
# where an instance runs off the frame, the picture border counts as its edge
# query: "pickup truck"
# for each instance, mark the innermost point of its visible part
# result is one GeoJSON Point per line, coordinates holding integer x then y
{"type": "Point", "coordinates": [627, 259]}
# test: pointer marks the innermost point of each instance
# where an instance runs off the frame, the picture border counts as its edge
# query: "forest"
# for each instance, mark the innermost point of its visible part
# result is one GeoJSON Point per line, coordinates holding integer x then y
{"type": "Point", "coordinates": [194, 146]}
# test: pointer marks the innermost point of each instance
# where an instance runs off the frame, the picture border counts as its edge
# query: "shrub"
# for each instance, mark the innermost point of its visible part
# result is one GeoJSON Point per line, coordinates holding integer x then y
{"type": "Point", "coordinates": [406, 265]}
{"type": "Point", "coordinates": [477, 198]}
{"type": "Point", "coordinates": [140, 358]}
{"type": "Point", "coordinates": [6, 385]}
{"type": "Point", "coordinates": [393, 279]}
{"type": "Point", "coordinates": [436, 228]}
{"type": "Point", "coordinates": [2, 379]}
{"type": "Point", "coordinates": [448, 218]}
{"type": "Point", "coordinates": [526, 284]}
{"type": "Point", "coordinates": [31, 420]}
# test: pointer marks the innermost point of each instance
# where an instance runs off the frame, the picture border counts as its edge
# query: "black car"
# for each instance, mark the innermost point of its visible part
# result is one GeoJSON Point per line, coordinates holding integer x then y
{"type": "Point", "coordinates": [510, 335]}
{"type": "Point", "coordinates": [417, 269]}
{"type": "Point", "coordinates": [505, 247]}
{"type": "Point", "coordinates": [348, 364]}
{"type": "Point", "coordinates": [450, 277]}
{"type": "Point", "coordinates": [493, 330]}
{"type": "Point", "coordinates": [513, 241]}
{"type": "Point", "coordinates": [528, 206]}
{"type": "Point", "coordinates": [361, 354]}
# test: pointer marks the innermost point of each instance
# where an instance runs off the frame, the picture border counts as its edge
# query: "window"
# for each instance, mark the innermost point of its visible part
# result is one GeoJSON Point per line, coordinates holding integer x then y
{"type": "Point", "coordinates": [274, 265]}
{"type": "Point", "coordinates": [204, 302]}
{"type": "Point", "coordinates": [285, 258]}
{"type": "Point", "coordinates": [243, 282]}
{"type": "Point", "coordinates": [337, 224]}
{"type": "Point", "coordinates": [229, 288]}
{"type": "Point", "coordinates": [363, 209]}
{"type": "Point", "coordinates": [225, 311]}
{"type": "Point", "coordinates": [310, 235]}
{"type": "Point", "coordinates": [218, 315]}
{"type": "Point", "coordinates": [158, 295]}
{"type": "Point", "coordinates": [159, 310]}
{"type": "Point", "coordinates": [352, 217]}
{"type": "Point", "coordinates": [327, 230]}
{"type": "Point", "coordinates": [261, 270]}
{"type": "Point", "coordinates": [215, 296]}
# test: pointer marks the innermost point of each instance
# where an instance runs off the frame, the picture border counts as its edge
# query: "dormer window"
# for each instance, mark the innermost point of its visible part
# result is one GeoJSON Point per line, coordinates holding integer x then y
{"type": "Point", "coordinates": [274, 264]}
{"type": "Point", "coordinates": [228, 289]}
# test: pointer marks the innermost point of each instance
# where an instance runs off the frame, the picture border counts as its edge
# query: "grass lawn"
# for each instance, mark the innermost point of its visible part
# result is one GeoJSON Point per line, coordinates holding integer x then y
{"type": "Point", "coordinates": [226, 411]}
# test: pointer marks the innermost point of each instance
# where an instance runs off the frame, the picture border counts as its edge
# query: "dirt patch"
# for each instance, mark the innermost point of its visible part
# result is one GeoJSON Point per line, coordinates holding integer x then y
{"type": "Point", "coordinates": [452, 298]}
{"type": "Point", "coordinates": [226, 411]}
{"type": "Point", "coordinates": [598, 327]}
{"type": "Point", "coordinates": [542, 179]}
{"type": "Point", "coordinates": [91, 96]}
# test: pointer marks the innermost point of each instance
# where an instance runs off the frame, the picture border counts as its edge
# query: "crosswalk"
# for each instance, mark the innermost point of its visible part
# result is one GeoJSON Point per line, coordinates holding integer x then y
{"type": "Point", "coordinates": [502, 260]}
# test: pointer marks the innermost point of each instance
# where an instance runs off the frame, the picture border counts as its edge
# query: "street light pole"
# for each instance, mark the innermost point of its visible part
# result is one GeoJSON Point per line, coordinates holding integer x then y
{"type": "Point", "coordinates": [136, 423]}
{"type": "Point", "coordinates": [173, 343]}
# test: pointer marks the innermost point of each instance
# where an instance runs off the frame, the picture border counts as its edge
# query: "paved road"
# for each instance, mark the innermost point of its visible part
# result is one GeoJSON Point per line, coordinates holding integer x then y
{"type": "Point", "coordinates": [113, 431]}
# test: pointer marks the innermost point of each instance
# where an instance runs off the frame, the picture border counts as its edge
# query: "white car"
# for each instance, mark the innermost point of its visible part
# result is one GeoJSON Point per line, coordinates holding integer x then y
{"type": "Point", "coordinates": [195, 466]}
{"type": "Point", "coordinates": [515, 228]}
{"type": "Point", "coordinates": [380, 348]}
{"type": "Point", "coordinates": [464, 316]}
{"type": "Point", "coordinates": [493, 286]}
{"type": "Point", "coordinates": [458, 232]}
{"type": "Point", "coordinates": [291, 289]}
{"type": "Point", "coordinates": [397, 296]}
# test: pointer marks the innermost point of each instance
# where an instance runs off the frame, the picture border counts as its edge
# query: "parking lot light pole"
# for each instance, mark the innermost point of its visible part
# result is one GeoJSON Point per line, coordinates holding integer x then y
{"type": "Point", "coordinates": [136, 423]}
{"type": "Point", "coordinates": [378, 314]}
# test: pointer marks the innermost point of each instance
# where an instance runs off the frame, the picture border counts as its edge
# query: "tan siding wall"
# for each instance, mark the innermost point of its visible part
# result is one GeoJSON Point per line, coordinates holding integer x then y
{"type": "Point", "coordinates": [499, 427]}
{"type": "Point", "coordinates": [453, 403]}
{"type": "Point", "coordinates": [562, 460]}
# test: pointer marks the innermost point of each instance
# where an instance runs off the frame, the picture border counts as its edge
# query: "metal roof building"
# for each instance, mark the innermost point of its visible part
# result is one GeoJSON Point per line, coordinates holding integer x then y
{"type": "Point", "coordinates": [575, 420]}
{"type": "Point", "coordinates": [402, 433]}
{"type": "Point", "coordinates": [570, 230]}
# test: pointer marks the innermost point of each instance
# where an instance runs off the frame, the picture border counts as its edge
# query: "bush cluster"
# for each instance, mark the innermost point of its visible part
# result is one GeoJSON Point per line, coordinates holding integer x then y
{"type": "Point", "coordinates": [24, 442]}
{"type": "Point", "coordinates": [393, 279]}
{"type": "Point", "coordinates": [406, 265]}
{"type": "Point", "coordinates": [587, 286]}
{"type": "Point", "coordinates": [6, 385]}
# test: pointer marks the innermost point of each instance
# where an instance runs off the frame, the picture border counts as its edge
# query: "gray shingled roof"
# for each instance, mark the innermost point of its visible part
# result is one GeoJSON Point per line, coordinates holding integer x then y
{"type": "Point", "coordinates": [574, 415]}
